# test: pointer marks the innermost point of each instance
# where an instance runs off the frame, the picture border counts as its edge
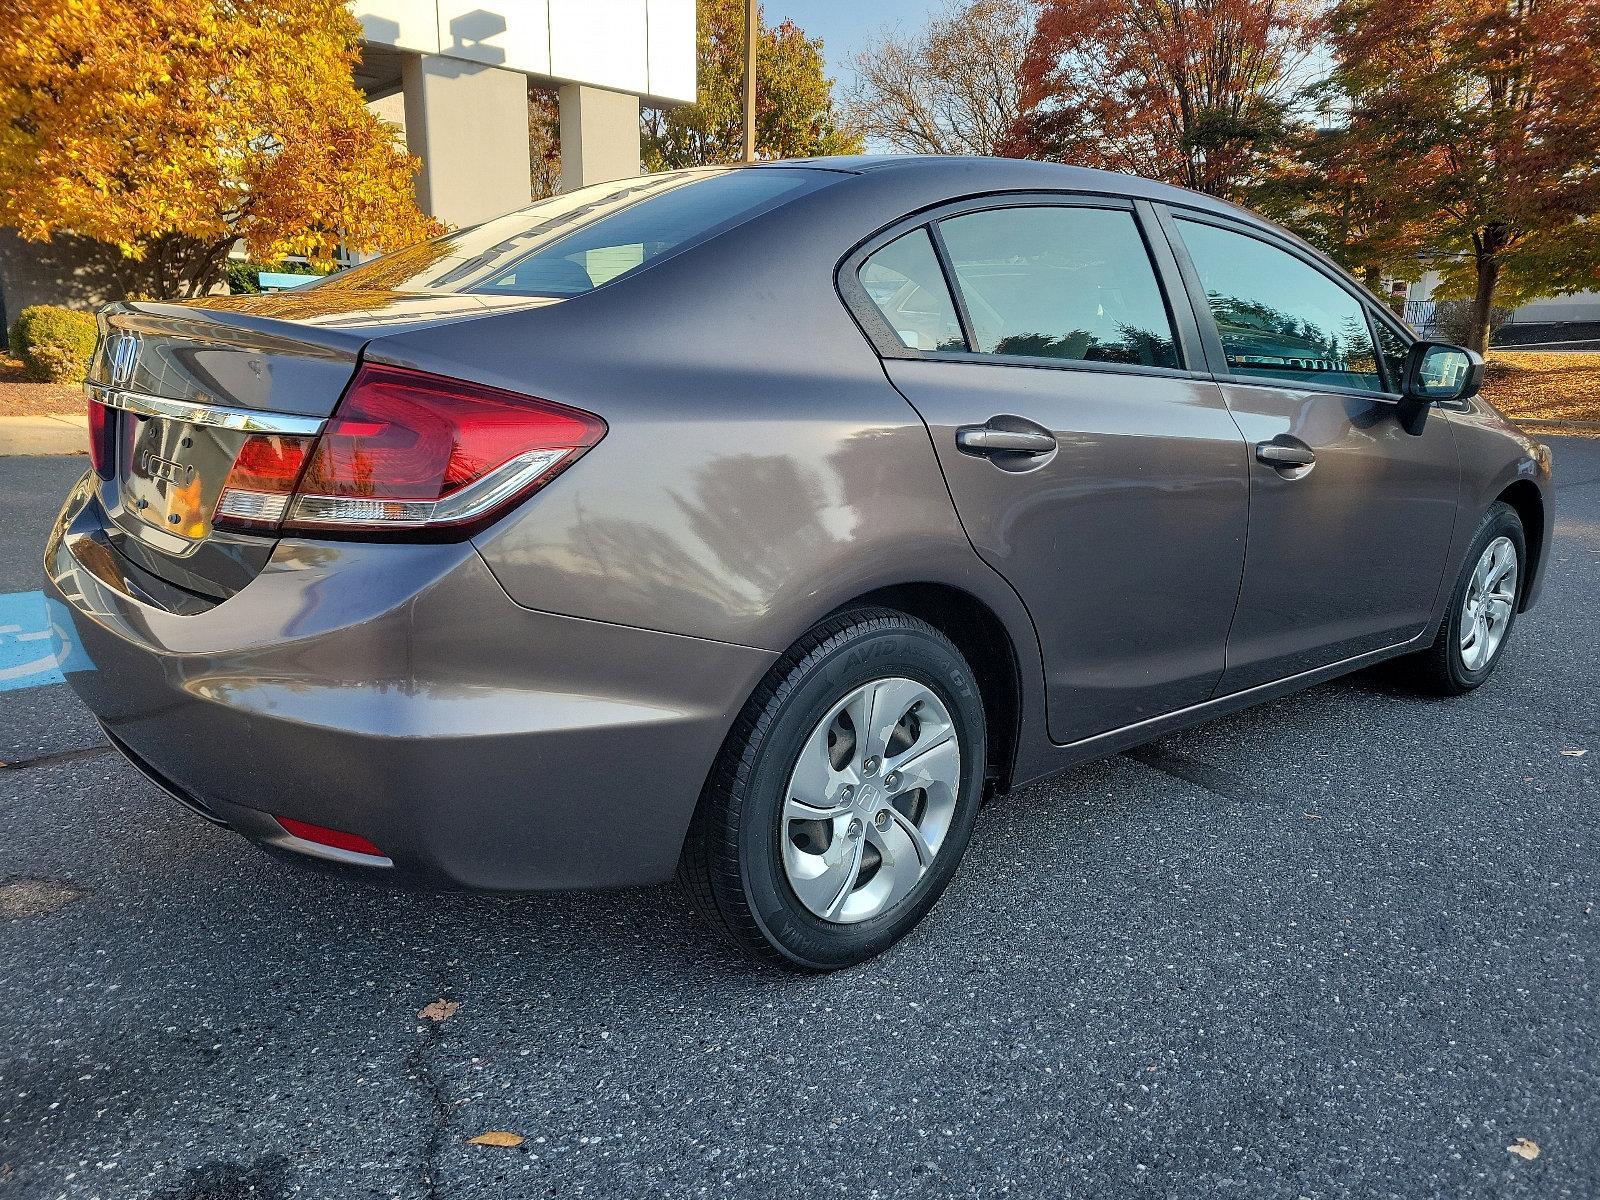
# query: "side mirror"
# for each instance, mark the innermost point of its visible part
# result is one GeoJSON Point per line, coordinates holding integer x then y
{"type": "Point", "coordinates": [1436, 371]}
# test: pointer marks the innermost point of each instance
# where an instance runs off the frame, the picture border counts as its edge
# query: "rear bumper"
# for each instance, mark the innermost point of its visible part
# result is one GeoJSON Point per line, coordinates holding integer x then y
{"type": "Point", "coordinates": [397, 692]}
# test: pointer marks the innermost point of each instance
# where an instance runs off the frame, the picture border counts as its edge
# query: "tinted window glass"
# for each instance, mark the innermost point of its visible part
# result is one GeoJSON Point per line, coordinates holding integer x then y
{"type": "Point", "coordinates": [1060, 282]}
{"type": "Point", "coordinates": [1393, 347]}
{"type": "Point", "coordinates": [579, 240]}
{"type": "Point", "coordinates": [1278, 316]}
{"type": "Point", "coordinates": [904, 281]}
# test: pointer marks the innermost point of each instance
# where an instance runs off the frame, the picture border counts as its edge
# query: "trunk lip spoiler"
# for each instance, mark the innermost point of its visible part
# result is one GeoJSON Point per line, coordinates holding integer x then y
{"type": "Point", "coordinates": [243, 420]}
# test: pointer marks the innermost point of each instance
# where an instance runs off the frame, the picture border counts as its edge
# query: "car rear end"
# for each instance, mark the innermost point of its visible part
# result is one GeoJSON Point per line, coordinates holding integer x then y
{"type": "Point", "coordinates": [267, 591]}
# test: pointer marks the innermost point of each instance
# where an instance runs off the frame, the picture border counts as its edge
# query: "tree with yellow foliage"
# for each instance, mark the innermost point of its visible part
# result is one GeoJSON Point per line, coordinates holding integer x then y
{"type": "Point", "coordinates": [173, 128]}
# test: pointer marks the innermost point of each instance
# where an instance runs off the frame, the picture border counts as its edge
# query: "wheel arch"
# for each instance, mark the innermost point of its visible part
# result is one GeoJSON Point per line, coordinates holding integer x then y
{"type": "Point", "coordinates": [987, 645]}
{"type": "Point", "coordinates": [1523, 496]}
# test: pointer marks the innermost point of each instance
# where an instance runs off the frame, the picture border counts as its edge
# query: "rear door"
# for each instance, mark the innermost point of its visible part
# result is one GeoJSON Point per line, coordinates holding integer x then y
{"type": "Point", "coordinates": [1091, 465]}
{"type": "Point", "coordinates": [1350, 515]}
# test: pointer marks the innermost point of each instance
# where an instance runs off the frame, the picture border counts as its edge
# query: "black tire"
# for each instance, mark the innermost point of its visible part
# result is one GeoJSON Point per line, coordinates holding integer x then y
{"type": "Point", "coordinates": [732, 863]}
{"type": "Point", "coordinates": [1441, 669]}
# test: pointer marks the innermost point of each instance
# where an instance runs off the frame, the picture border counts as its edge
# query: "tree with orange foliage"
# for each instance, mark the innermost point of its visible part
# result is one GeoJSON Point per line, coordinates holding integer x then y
{"type": "Point", "coordinates": [1324, 183]}
{"type": "Point", "coordinates": [1187, 91]}
{"type": "Point", "coordinates": [174, 128]}
{"type": "Point", "coordinates": [1482, 119]}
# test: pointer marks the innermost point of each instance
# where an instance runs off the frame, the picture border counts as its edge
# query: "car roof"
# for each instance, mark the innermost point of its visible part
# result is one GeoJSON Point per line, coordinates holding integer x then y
{"type": "Point", "coordinates": [1012, 174]}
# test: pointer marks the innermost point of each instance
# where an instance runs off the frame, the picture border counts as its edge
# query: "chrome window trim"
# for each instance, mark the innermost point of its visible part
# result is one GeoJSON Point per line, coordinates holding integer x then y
{"type": "Point", "coordinates": [243, 420]}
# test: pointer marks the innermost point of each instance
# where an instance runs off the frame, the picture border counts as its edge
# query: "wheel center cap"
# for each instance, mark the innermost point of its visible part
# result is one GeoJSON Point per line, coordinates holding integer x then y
{"type": "Point", "coordinates": [867, 797]}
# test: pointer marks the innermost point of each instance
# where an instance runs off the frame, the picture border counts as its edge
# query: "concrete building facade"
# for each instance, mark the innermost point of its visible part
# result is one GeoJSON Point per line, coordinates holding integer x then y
{"type": "Point", "coordinates": [463, 70]}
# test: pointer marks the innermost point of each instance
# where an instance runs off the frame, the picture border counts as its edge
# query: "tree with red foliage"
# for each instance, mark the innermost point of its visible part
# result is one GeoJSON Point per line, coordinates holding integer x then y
{"type": "Point", "coordinates": [1325, 183]}
{"type": "Point", "coordinates": [1483, 118]}
{"type": "Point", "coordinates": [1187, 91]}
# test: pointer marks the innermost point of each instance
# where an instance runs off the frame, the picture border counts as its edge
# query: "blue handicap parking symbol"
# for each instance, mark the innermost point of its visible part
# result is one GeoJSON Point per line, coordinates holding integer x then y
{"type": "Point", "coordinates": [27, 647]}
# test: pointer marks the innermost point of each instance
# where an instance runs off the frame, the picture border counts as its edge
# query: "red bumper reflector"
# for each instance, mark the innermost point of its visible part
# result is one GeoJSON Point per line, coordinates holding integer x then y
{"type": "Point", "coordinates": [324, 836]}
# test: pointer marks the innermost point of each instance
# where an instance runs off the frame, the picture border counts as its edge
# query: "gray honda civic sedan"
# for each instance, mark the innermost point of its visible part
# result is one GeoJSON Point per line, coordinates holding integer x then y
{"type": "Point", "coordinates": [757, 524]}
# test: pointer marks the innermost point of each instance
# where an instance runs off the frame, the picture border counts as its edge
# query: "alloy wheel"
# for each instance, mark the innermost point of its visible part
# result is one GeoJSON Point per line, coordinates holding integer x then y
{"type": "Point", "coordinates": [870, 800]}
{"type": "Point", "coordinates": [1491, 597]}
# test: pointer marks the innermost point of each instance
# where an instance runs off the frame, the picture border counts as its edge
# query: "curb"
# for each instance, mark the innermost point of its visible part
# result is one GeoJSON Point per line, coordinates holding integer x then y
{"type": "Point", "coordinates": [27, 436]}
{"type": "Point", "coordinates": [1554, 424]}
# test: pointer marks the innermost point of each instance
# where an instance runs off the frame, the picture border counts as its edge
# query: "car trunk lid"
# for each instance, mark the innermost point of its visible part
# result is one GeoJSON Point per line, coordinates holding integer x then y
{"type": "Point", "coordinates": [183, 389]}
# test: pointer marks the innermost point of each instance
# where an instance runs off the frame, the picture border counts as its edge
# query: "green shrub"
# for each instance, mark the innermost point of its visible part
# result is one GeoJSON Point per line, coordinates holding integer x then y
{"type": "Point", "coordinates": [54, 344]}
{"type": "Point", "coordinates": [244, 275]}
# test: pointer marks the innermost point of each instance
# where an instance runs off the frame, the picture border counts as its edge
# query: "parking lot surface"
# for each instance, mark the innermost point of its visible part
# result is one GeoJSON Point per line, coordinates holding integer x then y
{"type": "Point", "coordinates": [1341, 945]}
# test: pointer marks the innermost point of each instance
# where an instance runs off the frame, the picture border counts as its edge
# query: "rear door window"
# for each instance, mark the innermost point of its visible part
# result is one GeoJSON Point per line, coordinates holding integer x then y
{"type": "Point", "coordinates": [1278, 316]}
{"type": "Point", "coordinates": [1060, 281]}
{"type": "Point", "coordinates": [905, 283]}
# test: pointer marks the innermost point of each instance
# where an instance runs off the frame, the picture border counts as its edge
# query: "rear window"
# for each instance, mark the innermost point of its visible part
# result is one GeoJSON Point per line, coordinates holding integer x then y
{"type": "Point", "coordinates": [578, 241]}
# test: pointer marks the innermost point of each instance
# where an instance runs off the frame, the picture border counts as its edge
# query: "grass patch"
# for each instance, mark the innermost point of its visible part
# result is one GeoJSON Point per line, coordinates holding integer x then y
{"type": "Point", "coordinates": [1529, 386]}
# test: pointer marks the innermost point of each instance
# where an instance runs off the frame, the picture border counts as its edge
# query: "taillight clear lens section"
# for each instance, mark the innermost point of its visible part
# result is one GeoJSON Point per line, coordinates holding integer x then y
{"type": "Point", "coordinates": [261, 484]}
{"type": "Point", "coordinates": [102, 429]}
{"type": "Point", "coordinates": [407, 450]}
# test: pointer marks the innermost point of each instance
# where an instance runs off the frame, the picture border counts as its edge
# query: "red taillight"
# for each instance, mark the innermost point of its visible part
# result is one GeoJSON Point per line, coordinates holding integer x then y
{"type": "Point", "coordinates": [261, 484]}
{"type": "Point", "coordinates": [324, 836]}
{"type": "Point", "coordinates": [410, 450]}
{"type": "Point", "coordinates": [102, 428]}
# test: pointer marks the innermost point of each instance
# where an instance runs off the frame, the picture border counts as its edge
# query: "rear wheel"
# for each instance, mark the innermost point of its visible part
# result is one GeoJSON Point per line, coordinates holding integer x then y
{"type": "Point", "coordinates": [1483, 607]}
{"type": "Point", "coordinates": [845, 795]}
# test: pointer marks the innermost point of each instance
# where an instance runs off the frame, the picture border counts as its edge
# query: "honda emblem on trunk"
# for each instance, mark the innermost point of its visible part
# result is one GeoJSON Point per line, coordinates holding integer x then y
{"type": "Point", "coordinates": [124, 357]}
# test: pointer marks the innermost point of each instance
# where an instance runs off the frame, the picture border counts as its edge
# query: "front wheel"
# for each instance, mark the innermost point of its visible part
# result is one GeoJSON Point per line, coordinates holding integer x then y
{"type": "Point", "coordinates": [845, 795]}
{"type": "Point", "coordinates": [1483, 607]}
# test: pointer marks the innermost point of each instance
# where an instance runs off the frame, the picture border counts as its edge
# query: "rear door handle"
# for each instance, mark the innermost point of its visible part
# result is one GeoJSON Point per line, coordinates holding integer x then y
{"type": "Point", "coordinates": [984, 439]}
{"type": "Point", "coordinates": [1276, 454]}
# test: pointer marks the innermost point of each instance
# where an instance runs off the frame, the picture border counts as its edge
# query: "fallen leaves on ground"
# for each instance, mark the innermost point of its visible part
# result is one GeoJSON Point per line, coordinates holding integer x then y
{"type": "Point", "coordinates": [439, 1010]}
{"type": "Point", "coordinates": [1529, 386]}
{"type": "Point", "coordinates": [501, 1137]}
{"type": "Point", "coordinates": [1523, 1148]}
{"type": "Point", "coordinates": [24, 397]}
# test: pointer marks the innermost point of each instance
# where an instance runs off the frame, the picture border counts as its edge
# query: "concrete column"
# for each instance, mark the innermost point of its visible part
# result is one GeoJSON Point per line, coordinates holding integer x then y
{"type": "Point", "coordinates": [469, 125]}
{"type": "Point", "coordinates": [599, 135]}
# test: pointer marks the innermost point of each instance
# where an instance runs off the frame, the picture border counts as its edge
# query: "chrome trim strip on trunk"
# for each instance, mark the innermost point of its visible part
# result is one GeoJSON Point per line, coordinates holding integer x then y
{"type": "Point", "coordinates": [244, 420]}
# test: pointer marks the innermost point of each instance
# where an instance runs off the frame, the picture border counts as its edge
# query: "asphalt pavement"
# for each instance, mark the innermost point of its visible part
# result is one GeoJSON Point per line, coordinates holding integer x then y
{"type": "Point", "coordinates": [1340, 945]}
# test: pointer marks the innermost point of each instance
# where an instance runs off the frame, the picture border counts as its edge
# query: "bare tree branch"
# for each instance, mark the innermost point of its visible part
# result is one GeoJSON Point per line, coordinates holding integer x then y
{"type": "Point", "coordinates": [951, 88]}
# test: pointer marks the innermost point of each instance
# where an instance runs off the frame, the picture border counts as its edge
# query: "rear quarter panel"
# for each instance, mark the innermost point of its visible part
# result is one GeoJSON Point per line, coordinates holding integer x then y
{"type": "Point", "coordinates": [759, 469]}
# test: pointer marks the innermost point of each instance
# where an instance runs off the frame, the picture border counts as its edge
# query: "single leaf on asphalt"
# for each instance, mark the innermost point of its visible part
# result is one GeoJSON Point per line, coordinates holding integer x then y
{"type": "Point", "coordinates": [500, 1137]}
{"type": "Point", "coordinates": [439, 1010]}
{"type": "Point", "coordinates": [1574, 753]}
{"type": "Point", "coordinates": [1525, 1148]}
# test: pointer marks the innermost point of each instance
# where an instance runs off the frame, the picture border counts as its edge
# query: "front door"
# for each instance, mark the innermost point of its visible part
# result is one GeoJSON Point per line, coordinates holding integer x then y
{"type": "Point", "coordinates": [1104, 481]}
{"type": "Point", "coordinates": [1350, 515]}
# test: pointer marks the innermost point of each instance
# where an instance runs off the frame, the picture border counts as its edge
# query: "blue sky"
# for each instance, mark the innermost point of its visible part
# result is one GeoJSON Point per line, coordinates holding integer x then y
{"type": "Point", "coordinates": [846, 26]}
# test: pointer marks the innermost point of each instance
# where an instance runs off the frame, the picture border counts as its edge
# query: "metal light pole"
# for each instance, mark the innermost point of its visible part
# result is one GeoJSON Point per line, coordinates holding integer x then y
{"type": "Point", "coordinates": [751, 30]}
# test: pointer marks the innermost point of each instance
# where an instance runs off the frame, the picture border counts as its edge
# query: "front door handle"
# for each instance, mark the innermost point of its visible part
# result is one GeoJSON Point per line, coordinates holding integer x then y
{"type": "Point", "coordinates": [1284, 457]}
{"type": "Point", "coordinates": [985, 439]}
